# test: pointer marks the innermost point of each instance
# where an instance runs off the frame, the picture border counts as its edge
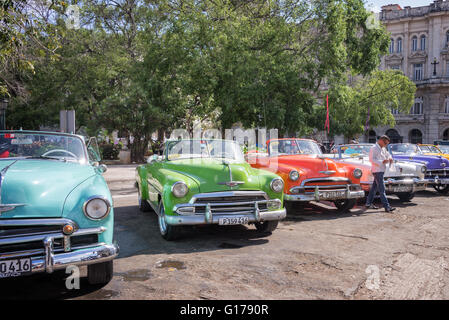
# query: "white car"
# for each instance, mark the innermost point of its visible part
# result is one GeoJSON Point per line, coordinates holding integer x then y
{"type": "Point", "coordinates": [401, 178]}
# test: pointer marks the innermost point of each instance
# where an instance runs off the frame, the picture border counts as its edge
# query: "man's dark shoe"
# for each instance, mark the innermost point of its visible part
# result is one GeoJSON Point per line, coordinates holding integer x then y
{"type": "Point", "coordinates": [390, 209]}
{"type": "Point", "coordinates": [371, 206]}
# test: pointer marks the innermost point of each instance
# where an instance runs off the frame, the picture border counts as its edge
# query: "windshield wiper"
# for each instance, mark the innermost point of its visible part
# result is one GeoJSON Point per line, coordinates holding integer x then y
{"type": "Point", "coordinates": [46, 157]}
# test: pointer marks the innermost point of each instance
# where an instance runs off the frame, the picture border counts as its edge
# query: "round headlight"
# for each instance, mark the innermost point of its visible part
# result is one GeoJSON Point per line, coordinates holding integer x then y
{"type": "Point", "coordinates": [179, 189]}
{"type": "Point", "coordinates": [293, 175]}
{"type": "Point", "coordinates": [357, 173]}
{"type": "Point", "coordinates": [423, 169]}
{"type": "Point", "coordinates": [277, 185]}
{"type": "Point", "coordinates": [97, 208]}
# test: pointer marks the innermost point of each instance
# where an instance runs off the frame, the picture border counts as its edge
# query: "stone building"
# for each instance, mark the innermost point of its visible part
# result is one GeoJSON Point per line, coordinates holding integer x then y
{"type": "Point", "coordinates": [420, 48]}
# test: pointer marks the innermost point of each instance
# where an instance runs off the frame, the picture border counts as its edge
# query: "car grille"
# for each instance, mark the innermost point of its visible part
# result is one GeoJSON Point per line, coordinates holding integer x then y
{"type": "Point", "coordinates": [233, 203]}
{"type": "Point", "coordinates": [441, 173]}
{"type": "Point", "coordinates": [20, 239]}
{"type": "Point", "coordinates": [328, 184]}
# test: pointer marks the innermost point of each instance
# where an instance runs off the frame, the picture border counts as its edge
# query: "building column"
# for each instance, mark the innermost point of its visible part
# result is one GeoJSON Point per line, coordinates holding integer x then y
{"type": "Point", "coordinates": [431, 122]}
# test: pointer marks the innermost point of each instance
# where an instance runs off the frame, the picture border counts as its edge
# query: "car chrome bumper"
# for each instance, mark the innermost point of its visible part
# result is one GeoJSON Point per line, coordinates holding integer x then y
{"type": "Point", "coordinates": [437, 181]}
{"type": "Point", "coordinates": [405, 185]}
{"type": "Point", "coordinates": [211, 218]}
{"type": "Point", "coordinates": [325, 195]}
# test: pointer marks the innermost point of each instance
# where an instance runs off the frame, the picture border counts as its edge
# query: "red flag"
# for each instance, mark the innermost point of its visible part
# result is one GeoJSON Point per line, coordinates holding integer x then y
{"type": "Point", "coordinates": [327, 124]}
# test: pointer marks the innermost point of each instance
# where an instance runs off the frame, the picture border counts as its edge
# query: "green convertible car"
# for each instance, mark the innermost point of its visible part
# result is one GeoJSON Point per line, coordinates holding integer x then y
{"type": "Point", "coordinates": [208, 182]}
{"type": "Point", "coordinates": [55, 207]}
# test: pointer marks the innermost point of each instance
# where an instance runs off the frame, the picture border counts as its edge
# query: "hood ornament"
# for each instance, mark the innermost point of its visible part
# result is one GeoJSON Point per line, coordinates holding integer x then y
{"type": "Point", "coordinates": [230, 183]}
{"type": "Point", "coordinates": [6, 207]}
{"type": "Point", "coordinates": [327, 171]}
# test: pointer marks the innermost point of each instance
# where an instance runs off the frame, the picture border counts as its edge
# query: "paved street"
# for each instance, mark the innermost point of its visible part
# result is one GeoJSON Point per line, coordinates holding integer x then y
{"type": "Point", "coordinates": [316, 253]}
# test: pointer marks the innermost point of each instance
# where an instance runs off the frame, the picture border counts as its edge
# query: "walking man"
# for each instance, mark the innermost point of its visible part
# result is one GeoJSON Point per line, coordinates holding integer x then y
{"type": "Point", "coordinates": [379, 158]}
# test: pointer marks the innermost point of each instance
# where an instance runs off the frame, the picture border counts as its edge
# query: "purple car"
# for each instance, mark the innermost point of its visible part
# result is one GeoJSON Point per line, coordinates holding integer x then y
{"type": "Point", "coordinates": [437, 173]}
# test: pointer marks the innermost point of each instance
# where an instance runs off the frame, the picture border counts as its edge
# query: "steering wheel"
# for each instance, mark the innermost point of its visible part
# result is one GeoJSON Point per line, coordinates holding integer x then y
{"type": "Point", "coordinates": [46, 154]}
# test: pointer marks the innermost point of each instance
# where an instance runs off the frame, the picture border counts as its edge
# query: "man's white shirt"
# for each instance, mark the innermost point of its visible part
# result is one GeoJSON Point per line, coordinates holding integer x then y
{"type": "Point", "coordinates": [377, 155]}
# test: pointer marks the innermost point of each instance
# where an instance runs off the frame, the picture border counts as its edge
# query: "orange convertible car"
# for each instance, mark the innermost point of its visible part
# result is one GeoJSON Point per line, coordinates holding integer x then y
{"type": "Point", "coordinates": [308, 175]}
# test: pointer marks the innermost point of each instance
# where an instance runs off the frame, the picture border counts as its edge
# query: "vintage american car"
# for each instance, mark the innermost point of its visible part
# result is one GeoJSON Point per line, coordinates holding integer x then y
{"type": "Point", "coordinates": [199, 182]}
{"type": "Point", "coordinates": [432, 150]}
{"type": "Point", "coordinates": [55, 207]}
{"type": "Point", "coordinates": [309, 175]}
{"type": "Point", "coordinates": [401, 178]}
{"type": "Point", "coordinates": [437, 173]}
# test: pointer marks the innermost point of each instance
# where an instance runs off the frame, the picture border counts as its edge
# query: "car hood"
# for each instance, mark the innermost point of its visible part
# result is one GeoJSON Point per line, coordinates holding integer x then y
{"type": "Point", "coordinates": [431, 162]}
{"type": "Point", "coordinates": [398, 168]}
{"type": "Point", "coordinates": [312, 165]}
{"type": "Point", "coordinates": [212, 174]}
{"type": "Point", "coordinates": [39, 187]}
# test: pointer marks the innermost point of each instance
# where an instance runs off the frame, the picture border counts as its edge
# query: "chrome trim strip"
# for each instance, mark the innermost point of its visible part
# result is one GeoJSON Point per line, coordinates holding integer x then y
{"type": "Point", "coordinates": [36, 222]}
{"type": "Point", "coordinates": [330, 179]}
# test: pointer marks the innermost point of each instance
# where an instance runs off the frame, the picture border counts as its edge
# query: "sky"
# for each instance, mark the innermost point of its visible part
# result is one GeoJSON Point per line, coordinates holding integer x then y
{"type": "Point", "coordinates": [376, 4]}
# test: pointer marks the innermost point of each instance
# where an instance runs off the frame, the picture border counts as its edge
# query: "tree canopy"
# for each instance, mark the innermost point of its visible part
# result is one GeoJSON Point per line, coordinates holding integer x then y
{"type": "Point", "coordinates": [140, 66]}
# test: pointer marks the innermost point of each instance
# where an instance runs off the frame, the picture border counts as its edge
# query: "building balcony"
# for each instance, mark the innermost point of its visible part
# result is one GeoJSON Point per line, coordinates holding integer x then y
{"type": "Point", "coordinates": [444, 80]}
{"type": "Point", "coordinates": [401, 118]}
{"type": "Point", "coordinates": [443, 116]}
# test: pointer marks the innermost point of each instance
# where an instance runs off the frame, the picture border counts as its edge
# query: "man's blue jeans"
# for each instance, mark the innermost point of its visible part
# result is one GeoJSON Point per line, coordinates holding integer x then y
{"type": "Point", "coordinates": [378, 185]}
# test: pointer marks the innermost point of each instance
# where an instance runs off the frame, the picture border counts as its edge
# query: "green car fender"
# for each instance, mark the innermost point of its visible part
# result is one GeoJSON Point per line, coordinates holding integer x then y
{"type": "Point", "coordinates": [168, 178]}
{"type": "Point", "coordinates": [265, 178]}
{"type": "Point", "coordinates": [73, 206]}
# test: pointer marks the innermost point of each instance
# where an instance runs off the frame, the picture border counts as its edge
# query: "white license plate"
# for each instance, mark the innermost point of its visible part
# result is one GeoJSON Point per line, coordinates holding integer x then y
{"type": "Point", "coordinates": [231, 221]}
{"type": "Point", "coordinates": [402, 189]}
{"type": "Point", "coordinates": [332, 194]}
{"type": "Point", "coordinates": [15, 268]}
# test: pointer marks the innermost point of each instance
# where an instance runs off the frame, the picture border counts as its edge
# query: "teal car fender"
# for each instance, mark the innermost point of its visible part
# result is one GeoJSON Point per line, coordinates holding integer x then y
{"type": "Point", "coordinates": [73, 206]}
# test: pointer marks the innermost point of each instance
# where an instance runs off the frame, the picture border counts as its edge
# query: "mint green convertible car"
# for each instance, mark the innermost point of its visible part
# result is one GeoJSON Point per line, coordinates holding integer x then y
{"type": "Point", "coordinates": [208, 182]}
{"type": "Point", "coordinates": [55, 207]}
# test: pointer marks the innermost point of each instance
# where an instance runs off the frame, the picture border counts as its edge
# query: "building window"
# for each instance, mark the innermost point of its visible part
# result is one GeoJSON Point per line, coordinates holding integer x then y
{"type": "Point", "coordinates": [446, 105]}
{"type": "Point", "coordinates": [446, 134]}
{"type": "Point", "coordinates": [399, 48]}
{"type": "Point", "coordinates": [417, 72]}
{"type": "Point", "coordinates": [395, 67]}
{"type": "Point", "coordinates": [415, 136]}
{"type": "Point", "coordinates": [394, 136]}
{"type": "Point", "coordinates": [391, 46]}
{"type": "Point", "coordinates": [417, 106]}
{"type": "Point", "coordinates": [423, 43]}
{"type": "Point", "coordinates": [414, 43]}
{"type": "Point", "coordinates": [447, 68]}
{"type": "Point", "coordinates": [447, 38]}
{"type": "Point", "coordinates": [372, 136]}
{"type": "Point", "coordinates": [394, 111]}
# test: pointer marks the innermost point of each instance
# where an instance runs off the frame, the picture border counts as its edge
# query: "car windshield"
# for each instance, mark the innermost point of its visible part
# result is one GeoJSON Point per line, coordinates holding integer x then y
{"type": "Point", "coordinates": [188, 149]}
{"type": "Point", "coordinates": [429, 149]}
{"type": "Point", "coordinates": [355, 149]}
{"type": "Point", "coordinates": [293, 146]}
{"type": "Point", "coordinates": [403, 148]}
{"type": "Point", "coordinates": [444, 148]}
{"type": "Point", "coordinates": [46, 146]}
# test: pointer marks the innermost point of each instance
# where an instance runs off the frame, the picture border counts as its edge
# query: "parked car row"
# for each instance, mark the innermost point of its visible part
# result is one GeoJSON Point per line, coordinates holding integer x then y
{"type": "Point", "coordinates": [56, 209]}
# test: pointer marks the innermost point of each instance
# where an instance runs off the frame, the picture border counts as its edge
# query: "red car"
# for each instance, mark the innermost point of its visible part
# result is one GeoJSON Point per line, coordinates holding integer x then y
{"type": "Point", "coordinates": [308, 175]}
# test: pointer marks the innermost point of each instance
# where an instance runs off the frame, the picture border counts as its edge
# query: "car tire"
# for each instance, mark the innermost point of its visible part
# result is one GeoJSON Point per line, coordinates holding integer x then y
{"type": "Point", "coordinates": [405, 197]}
{"type": "Point", "coordinates": [168, 232]}
{"type": "Point", "coordinates": [443, 189]}
{"type": "Point", "coordinates": [144, 206]}
{"type": "Point", "coordinates": [267, 226]}
{"type": "Point", "coordinates": [345, 205]}
{"type": "Point", "coordinates": [100, 273]}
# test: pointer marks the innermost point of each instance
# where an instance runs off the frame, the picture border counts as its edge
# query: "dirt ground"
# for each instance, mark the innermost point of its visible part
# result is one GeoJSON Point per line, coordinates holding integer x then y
{"type": "Point", "coordinates": [316, 253]}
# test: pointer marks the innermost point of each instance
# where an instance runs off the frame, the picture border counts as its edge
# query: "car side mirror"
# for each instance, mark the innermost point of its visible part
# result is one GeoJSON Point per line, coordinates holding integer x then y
{"type": "Point", "coordinates": [102, 168]}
